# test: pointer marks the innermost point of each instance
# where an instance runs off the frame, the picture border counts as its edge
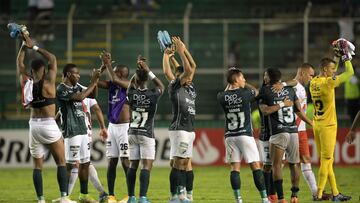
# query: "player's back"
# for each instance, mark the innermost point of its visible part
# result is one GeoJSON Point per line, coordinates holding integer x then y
{"type": "Point", "coordinates": [237, 108]}
{"type": "Point", "coordinates": [282, 120]}
{"type": "Point", "coordinates": [323, 96]}
{"type": "Point", "coordinates": [143, 105]}
{"type": "Point", "coordinates": [182, 99]}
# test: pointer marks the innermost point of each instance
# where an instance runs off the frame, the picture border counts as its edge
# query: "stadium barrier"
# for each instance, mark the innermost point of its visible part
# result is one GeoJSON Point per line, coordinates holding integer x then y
{"type": "Point", "coordinates": [209, 149]}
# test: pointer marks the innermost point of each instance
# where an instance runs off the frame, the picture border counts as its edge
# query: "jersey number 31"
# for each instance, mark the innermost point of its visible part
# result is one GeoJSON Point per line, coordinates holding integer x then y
{"type": "Point", "coordinates": [237, 120]}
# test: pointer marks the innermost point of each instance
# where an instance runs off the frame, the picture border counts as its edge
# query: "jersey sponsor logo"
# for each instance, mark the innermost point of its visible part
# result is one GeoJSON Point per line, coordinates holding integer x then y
{"type": "Point", "coordinates": [315, 88]}
{"type": "Point", "coordinates": [65, 93]}
{"type": "Point", "coordinates": [189, 101]}
{"type": "Point", "coordinates": [141, 99]}
{"type": "Point", "coordinates": [283, 92]}
{"type": "Point", "coordinates": [233, 99]}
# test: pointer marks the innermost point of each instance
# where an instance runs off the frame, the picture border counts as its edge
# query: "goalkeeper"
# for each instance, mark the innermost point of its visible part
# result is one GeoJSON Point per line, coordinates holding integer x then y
{"type": "Point", "coordinates": [322, 89]}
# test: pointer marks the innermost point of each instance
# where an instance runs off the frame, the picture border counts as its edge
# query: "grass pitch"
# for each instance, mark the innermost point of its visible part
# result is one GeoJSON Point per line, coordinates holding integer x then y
{"type": "Point", "coordinates": [211, 185]}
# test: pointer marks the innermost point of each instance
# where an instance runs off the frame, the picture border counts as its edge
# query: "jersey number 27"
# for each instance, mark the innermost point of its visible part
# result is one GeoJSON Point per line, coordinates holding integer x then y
{"type": "Point", "coordinates": [138, 119]}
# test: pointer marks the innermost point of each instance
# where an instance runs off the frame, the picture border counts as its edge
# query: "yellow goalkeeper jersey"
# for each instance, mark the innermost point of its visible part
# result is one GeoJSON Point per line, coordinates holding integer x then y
{"type": "Point", "coordinates": [322, 90]}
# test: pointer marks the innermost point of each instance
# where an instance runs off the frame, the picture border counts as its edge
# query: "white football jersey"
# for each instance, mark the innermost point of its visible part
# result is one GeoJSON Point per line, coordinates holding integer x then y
{"type": "Point", "coordinates": [301, 94]}
{"type": "Point", "coordinates": [88, 103]}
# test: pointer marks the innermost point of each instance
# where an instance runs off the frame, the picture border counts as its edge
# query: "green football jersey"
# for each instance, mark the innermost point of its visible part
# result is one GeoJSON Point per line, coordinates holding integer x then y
{"type": "Point", "coordinates": [72, 112]}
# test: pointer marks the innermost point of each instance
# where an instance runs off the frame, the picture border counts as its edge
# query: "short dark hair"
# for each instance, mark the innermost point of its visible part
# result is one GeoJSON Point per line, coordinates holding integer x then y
{"type": "Point", "coordinates": [274, 75]}
{"type": "Point", "coordinates": [179, 69]}
{"type": "Point", "coordinates": [306, 66]}
{"type": "Point", "coordinates": [141, 75]}
{"type": "Point", "coordinates": [67, 68]}
{"type": "Point", "coordinates": [230, 77]}
{"type": "Point", "coordinates": [122, 66]}
{"type": "Point", "coordinates": [36, 64]}
{"type": "Point", "coordinates": [326, 61]}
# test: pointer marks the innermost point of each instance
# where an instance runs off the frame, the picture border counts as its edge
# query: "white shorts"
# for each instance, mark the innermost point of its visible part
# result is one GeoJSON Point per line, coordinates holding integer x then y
{"type": "Point", "coordinates": [141, 147]}
{"type": "Point", "coordinates": [42, 131]}
{"type": "Point", "coordinates": [289, 142]}
{"type": "Point", "coordinates": [77, 149]}
{"type": "Point", "coordinates": [264, 151]}
{"type": "Point", "coordinates": [117, 143]}
{"type": "Point", "coordinates": [181, 143]}
{"type": "Point", "coordinates": [241, 146]}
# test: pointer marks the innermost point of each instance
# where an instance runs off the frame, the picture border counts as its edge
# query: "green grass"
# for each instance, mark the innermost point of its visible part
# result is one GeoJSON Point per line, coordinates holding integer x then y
{"type": "Point", "coordinates": [211, 185]}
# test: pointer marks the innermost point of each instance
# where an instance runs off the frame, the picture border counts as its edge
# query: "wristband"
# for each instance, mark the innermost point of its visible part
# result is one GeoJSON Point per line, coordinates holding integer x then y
{"type": "Point", "coordinates": [35, 48]}
{"type": "Point", "coordinates": [151, 75]}
{"type": "Point", "coordinates": [281, 104]}
{"type": "Point", "coordinates": [284, 84]}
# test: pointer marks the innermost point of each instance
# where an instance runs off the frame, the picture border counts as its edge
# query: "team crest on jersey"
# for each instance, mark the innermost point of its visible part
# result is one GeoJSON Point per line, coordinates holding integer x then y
{"type": "Point", "coordinates": [74, 154]}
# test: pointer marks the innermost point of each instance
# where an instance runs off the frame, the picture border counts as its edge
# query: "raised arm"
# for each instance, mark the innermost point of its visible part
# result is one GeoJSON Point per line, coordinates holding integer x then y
{"type": "Point", "coordinates": [21, 70]}
{"type": "Point", "coordinates": [131, 83]}
{"type": "Point", "coordinates": [90, 89]}
{"type": "Point", "coordinates": [168, 55]}
{"type": "Point", "coordinates": [156, 81]}
{"type": "Point", "coordinates": [103, 84]}
{"type": "Point", "coordinates": [99, 115]}
{"type": "Point", "coordinates": [52, 63]}
{"type": "Point", "coordinates": [174, 62]}
{"type": "Point", "coordinates": [349, 72]}
{"type": "Point", "coordinates": [191, 60]}
{"type": "Point", "coordinates": [188, 71]}
{"type": "Point", "coordinates": [107, 61]}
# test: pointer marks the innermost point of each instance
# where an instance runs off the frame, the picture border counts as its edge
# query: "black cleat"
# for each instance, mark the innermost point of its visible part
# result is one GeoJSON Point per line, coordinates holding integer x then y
{"type": "Point", "coordinates": [340, 198]}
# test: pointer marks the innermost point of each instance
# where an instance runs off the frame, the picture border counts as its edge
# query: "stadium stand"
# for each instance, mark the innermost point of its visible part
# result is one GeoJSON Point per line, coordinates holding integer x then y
{"type": "Point", "coordinates": [282, 43]}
